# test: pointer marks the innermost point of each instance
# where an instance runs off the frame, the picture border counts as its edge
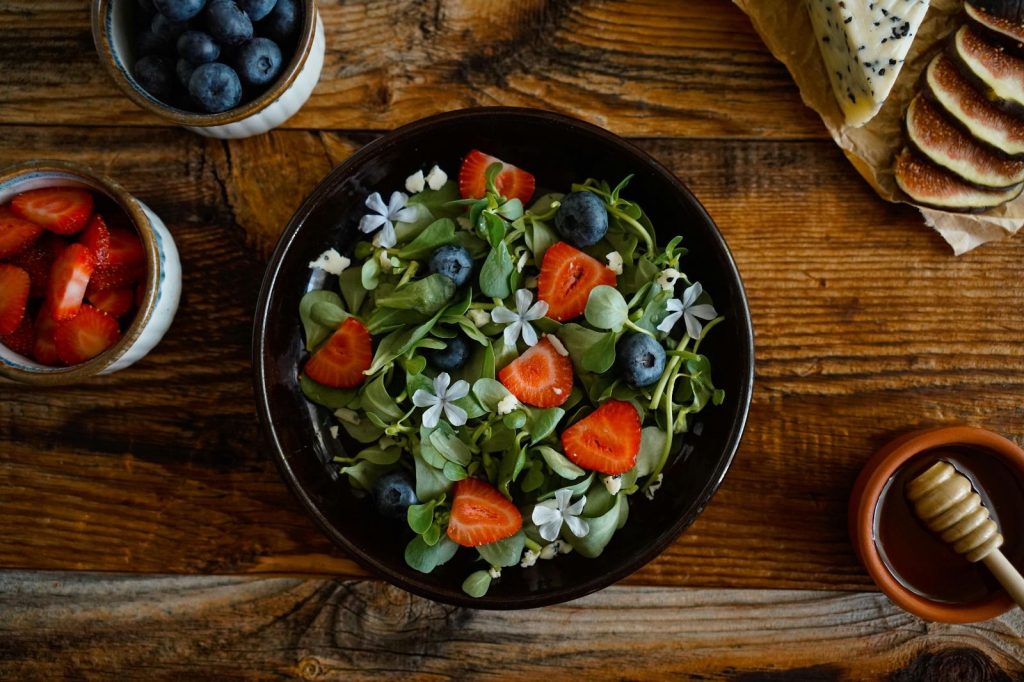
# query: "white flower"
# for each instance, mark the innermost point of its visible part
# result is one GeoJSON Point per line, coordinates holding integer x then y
{"type": "Point", "coordinates": [522, 261]}
{"type": "Point", "coordinates": [518, 322]}
{"type": "Point", "coordinates": [529, 558]}
{"type": "Point", "coordinates": [549, 515]}
{"type": "Point", "coordinates": [615, 262]}
{"type": "Point", "coordinates": [612, 483]}
{"type": "Point", "coordinates": [551, 550]}
{"type": "Point", "coordinates": [667, 278]}
{"type": "Point", "coordinates": [331, 261]}
{"type": "Point", "coordinates": [654, 487]}
{"type": "Point", "coordinates": [507, 404]}
{"type": "Point", "coordinates": [479, 317]}
{"type": "Point", "coordinates": [436, 178]}
{"type": "Point", "coordinates": [689, 311]}
{"type": "Point", "coordinates": [347, 415]}
{"type": "Point", "coordinates": [557, 343]}
{"type": "Point", "coordinates": [334, 431]}
{"type": "Point", "coordinates": [384, 216]}
{"type": "Point", "coordinates": [415, 182]}
{"type": "Point", "coordinates": [442, 400]}
{"type": "Point", "coordinates": [494, 572]}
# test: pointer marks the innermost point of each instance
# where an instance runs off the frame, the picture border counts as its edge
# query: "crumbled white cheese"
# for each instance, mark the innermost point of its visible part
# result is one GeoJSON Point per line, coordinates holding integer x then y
{"type": "Point", "coordinates": [613, 484]}
{"type": "Point", "coordinates": [347, 415]}
{"type": "Point", "coordinates": [507, 404]}
{"type": "Point", "coordinates": [668, 277]}
{"type": "Point", "coordinates": [479, 317]}
{"type": "Point", "coordinates": [415, 183]}
{"type": "Point", "coordinates": [564, 547]}
{"type": "Point", "coordinates": [550, 551]}
{"type": "Point", "coordinates": [653, 488]}
{"type": "Point", "coordinates": [331, 261]}
{"type": "Point", "coordinates": [384, 260]}
{"type": "Point", "coordinates": [529, 558]}
{"type": "Point", "coordinates": [557, 343]}
{"type": "Point", "coordinates": [522, 261]}
{"type": "Point", "coordinates": [615, 262]}
{"type": "Point", "coordinates": [436, 178]}
{"type": "Point", "coordinates": [494, 572]}
{"type": "Point", "coordinates": [334, 432]}
{"type": "Point", "coordinates": [530, 282]}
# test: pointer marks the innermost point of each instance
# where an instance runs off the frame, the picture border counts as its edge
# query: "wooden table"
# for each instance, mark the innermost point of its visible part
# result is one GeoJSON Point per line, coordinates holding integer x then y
{"type": "Point", "coordinates": [145, 532]}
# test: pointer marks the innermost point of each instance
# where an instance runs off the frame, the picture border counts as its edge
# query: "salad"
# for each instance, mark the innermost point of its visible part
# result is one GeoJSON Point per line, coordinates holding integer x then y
{"type": "Point", "coordinates": [515, 368]}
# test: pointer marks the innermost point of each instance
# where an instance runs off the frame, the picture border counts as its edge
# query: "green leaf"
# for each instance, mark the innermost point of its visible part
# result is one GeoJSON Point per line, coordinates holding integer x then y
{"type": "Point", "coordinates": [490, 392]}
{"type": "Point", "coordinates": [438, 201]}
{"type": "Point", "coordinates": [606, 308]}
{"type": "Point", "coordinates": [493, 227]}
{"type": "Point", "coordinates": [477, 584]}
{"type": "Point", "coordinates": [325, 395]}
{"type": "Point", "coordinates": [505, 552]}
{"type": "Point", "coordinates": [494, 274]}
{"type": "Point", "coordinates": [376, 399]}
{"type": "Point", "coordinates": [363, 474]}
{"type": "Point", "coordinates": [602, 528]}
{"type": "Point", "coordinates": [491, 176]}
{"type": "Point", "coordinates": [514, 420]}
{"type": "Point", "coordinates": [559, 463]}
{"type": "Point", "coordinates": [454, 472]}
{"type": "Point", "coordinates": [577, 339]}
{"type": "Point", "coordinates": [576, 489]}
{"type": "Point", "coordinates": [425, 558]}
{"type": "Point", "coordinates": [472, 407]}
{"type": "Point", "coordinates": [534, 477]}
{"type": "Point", "coordinates": [472, 331]}
{"type": "Point", "coordinates": [511, 209]}
{"type": "Point", "coordinates": [652, 442]}
{"type": "Point", "coordinates": [432, 534]}
{"type": "Point", "coordinates": [437, 234]}
{"type": "Point", "coordinates": [539, 238]}
{"type": "Point", "coordinates": [600, 357]}
{"type": "Point", "coordinates": [328, 314]}
{"type": "Point", "coordinates": [451, 447]}
{"type": "Point", "coordinates": [477, 247]}
{"type": "Point", "coordinates": [421, 516]}
{"type": "Point", "coordinates": [502, 439]}
{"type": "Point", "coordinates": [503, 353]}
{"type": "Point", "coordinates": [431, 455]}
{"type": "Point", "coordinates": [316, 332]}
{"type": "Point", "coordinates": [383, 457]}
{"type": "Point", "coordinates": [427, 295]}
{"type": "Point", "coordinates": [541, 423]}
{"type": "Point", "coordinates": [430, 482]}
{"type": "Point", "coordinates": [351, 284]}
{"type": "Point", "coordinates": [365, 431]}
{"type": "Point", "coordinates": [599, 500]}
{"type": "Point", "coordinates": [413, 365]}
{"type": "Point", "coordinates": [383, 320]}
{"type": "Point", "coordinates": [370, 274]}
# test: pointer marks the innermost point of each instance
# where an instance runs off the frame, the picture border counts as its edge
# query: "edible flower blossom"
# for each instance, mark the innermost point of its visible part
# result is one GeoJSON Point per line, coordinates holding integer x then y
{"type": "Point", "coordinates": [689, 310]}
{"type": "Point", "coordinates": [442, 400]}
{"type": "Point", "coordinates": [549, 515]}
{"type": "Point", "coordinates": [667, 279]}
{"type": "Point", "coordinates": [654, 487]}
{"type": "Point", "coordinates": [385, 216]}
{"type": "Point", "coordinates": [518, 322]}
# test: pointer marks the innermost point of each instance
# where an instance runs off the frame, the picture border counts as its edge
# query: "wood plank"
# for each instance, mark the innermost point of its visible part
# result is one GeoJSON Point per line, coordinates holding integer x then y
{"type": "Point", "coordinates": [651, 67]}
{"type": "Point", "coordinates": [91, 626]}
{"type": "Point", "coordinates": [866, 326]}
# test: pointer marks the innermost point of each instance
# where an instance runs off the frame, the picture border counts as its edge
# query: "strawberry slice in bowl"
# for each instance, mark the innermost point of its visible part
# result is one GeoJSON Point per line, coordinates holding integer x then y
{"type": "Point", "coordinates": [541, 376]}
{"type": "Point", "coordinates": [16, 233]}
{"type": "Point", "coordinates": [481, 515]}
{"type": "Point", "coordinates": [511, 182]}
{"type": "Point", "coordinates": [607, 440]}
{"type": "Point", "coordinates": [567, 276]}
{"type": "Point", "coordinates": [64, 210]}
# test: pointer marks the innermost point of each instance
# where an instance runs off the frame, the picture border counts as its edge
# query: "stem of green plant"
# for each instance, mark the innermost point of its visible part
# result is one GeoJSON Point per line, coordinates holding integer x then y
{"type": "Point", "coordinates": [637, 328]}
{"type": "Point", "coordinates": [637, 227]}
{"type": "Point", "coordinates": [532, 546]}
{"type": "Point", "coordinates": [409, 272]}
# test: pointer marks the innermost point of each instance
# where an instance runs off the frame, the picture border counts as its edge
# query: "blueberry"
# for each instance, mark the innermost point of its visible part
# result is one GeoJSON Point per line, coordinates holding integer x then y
{"type": "Point", "coordinates": [454, 262]}
{"type": "Point", "coordinates": [641, 359]}
{"type": "Point", "coordinates": [452, 357]}
{"type": "Point", "coordinates": [155, 74]}
{"type": "Point", "coordinates": [393, 494]}
{"type": "Point", "coordinates": [198, 47]}
{"type": "Point", "coordinates": [165, 30]}
{"type": "Point", "coordinates": [256, 9]}
{"type": "Point", "coordinates": [227, 23]}
{"type": "Point", "coordinates": [150, 43]}
{"type": "Point", "coordinates": [283, 21]}
{"type": "Point", "coordinates": [184, 69]}
{"type": "Point", "coordinates": [258, 61]}
{"type": "Point", "coordinates": [582, 219]}
{"type": "Point", "coordinates": [147, 5]}
{"type": "Point", "coordinates": [179, 10]}
{"type": "Point", "coordinates": [215, 87]}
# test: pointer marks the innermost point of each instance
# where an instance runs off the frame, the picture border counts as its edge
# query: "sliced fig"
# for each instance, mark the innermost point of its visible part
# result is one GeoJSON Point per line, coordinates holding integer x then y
{"type": "Point", "coordinates": [1009, 32]}
{"type": "Point", "coordinates": [996, 71]}
{"type": "Point", "coordinates": [928, 185]}
{"type": "Point", "coordinates": [945, 145]}
{"type": "Point", "coordinates": [986, 122]}
{"type": "Point", "coordinates": [1011, 10]}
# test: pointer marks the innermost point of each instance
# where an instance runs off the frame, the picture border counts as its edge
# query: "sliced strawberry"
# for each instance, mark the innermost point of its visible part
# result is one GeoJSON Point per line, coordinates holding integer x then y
{"type": "Point", "coordinates": [481, 515]}
{"type": "Point", "coordinates": [16, 233]}
{"type": "Point", "coordinates": [125, 248]}
{"type": "Point", "coordinates": [64, 210]}
{"type": "Point", "coordinates": [114, 302]}
{"type": "Point", "coordinates": [341, 361]}
{"type": "Point", "coordinates": [14, 286]}
{"type": "Point", "coordinates": [37, 260]}
{"type": "Point", "coordinates": [567, 276]}
{"type": "Point", "coordinates": [45, 349]}
{"type": "Point", "coordinates": [68, 281]}
{"type": "Point", "coordinates": [512, 182]}
{"type": "Point", "coordinates": [97, 238]}
{"type": "Point", "coordinates": [541, 376]}
{"type": "Point", "coordinates": [22, 339]}
{"type": "Point", "coordinates": [85, 335]}
{"type": "Point", "coordinates": [107, 277]}
{"type": "Point", "coordinates": [607, 440]}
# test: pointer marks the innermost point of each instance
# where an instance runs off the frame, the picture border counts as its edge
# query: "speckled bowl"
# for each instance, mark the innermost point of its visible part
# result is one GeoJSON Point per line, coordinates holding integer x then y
{"type": "Point", "coordinates": [559, 150]}
{"type": "Point", "coordinates": [163, 275]}
{"type": "Point", "coordinates": [111, 31]}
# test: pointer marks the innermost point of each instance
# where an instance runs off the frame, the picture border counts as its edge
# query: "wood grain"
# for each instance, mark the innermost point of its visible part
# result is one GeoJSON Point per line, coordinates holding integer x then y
{"type": "Point", "coordinates": [866, 326]}
{"type": "Point", "coordinates": [639, 67]}
{"type": "Point", "coordinates": [93, 627]}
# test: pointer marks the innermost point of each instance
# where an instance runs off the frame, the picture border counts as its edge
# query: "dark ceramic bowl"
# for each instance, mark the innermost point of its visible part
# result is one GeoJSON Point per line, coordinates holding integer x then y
{"type": "Point", "coordinates": [558, 150]}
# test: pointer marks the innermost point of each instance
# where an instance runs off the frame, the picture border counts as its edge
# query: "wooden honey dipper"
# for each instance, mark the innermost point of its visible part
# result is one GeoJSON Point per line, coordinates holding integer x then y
{"type": "Point", "coordinates": [945, 500]}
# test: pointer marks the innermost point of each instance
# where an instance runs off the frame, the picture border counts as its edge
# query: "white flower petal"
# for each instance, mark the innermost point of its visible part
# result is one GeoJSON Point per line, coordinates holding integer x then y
{"type": "Point", "coordinates": [674, 305]}
{"type": "Point", "coordinates": [460, 389]}
{"type": "Point", "coordinates": [441, 383]}
{"type": "Point", "coordinates": [543, 513]}
{"type": "Point", "coordinates": [693, 326]}
{"type": "Point", "coordinates": [455, 414]}
{"type": "Point", "coordinates": [576, 508]}
{"type": "Point", "coordinates": [536, 311]}
{"type": "Point", "coordinates": [423, 398]}
{"type": "Point", "coordinates": [371, 222]}
{"type": "Point", "coordinates": [511, 333]}
{"type": "Point", "coordinates": [432, 416]}
{"type": "Point", "coordinates": [549, 531]}
{"type": "Point", "coordinates": [529, 335]}
{"type": "Point", "coordinates": [396, 203]}
{"type": "Point", "coordinates": [562, 498]}
{"type": "Point", "coordinates": [669, 322]}
{"type": "Point", "coordinates": [523, 300]}
{"type": "Point", "coordinates": [503, 315]}
{"type": "Point", "coordinates": [577, 526]}
{"type": "Point", "coordinates": [704, 311]}
{"type": "Point", "coordinates": [691, 294]}
{"type": "Point", "coordinates": [375, 203]}
{"type": "Point", "coordinates": [408, 214]}
{"type": "Point", "coordinates": [387, 237]}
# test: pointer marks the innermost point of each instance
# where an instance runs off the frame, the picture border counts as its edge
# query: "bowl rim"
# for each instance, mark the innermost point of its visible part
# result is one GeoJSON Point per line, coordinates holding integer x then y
{"type": "Point", "coordinates": [882, 466]}
{"type": "Point", "coordinates": [54, 376]}
{"type": "Point", "coordinates": [412, 583]}
{"type": "Point", "coordinates": [121, 74]}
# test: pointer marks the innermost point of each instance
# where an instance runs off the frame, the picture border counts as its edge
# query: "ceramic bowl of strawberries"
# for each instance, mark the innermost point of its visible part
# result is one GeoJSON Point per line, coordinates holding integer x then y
{"type": "Point", "coordinates": [89, 276]}
{"type": "Point", "coordinates": [502, 357]}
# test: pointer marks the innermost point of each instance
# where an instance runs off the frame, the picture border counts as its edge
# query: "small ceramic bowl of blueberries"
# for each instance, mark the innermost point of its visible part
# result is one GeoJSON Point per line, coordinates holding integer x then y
{"type": "Point", "coordinates": [222, 68]}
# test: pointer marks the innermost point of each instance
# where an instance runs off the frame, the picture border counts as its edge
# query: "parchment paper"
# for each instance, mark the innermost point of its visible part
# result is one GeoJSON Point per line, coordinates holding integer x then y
{"type": "Point", "coordinates": [785, 27]}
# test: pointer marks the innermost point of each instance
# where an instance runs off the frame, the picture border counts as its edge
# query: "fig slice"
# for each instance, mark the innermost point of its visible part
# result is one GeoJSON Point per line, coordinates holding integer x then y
{"type": "Point", "coordinates": [928, 185]}
{"type": "Point", "coordinates": [945, 145]}
{"type": "Point", "coordinates": [1000, 74]}
{"type": "Point", "coordinates": [1010, 32]}
{"type": "Point", "coordinates": [1010, 10]}
{"type": "Point", "coordinates": [982, 119]}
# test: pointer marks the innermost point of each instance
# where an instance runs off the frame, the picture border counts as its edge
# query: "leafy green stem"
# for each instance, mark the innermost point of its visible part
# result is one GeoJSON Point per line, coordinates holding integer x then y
{"type": "Point", "coordinates": [639, 229]}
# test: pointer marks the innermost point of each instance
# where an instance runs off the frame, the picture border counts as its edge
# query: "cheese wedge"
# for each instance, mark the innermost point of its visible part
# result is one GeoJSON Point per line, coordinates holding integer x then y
{"type": "Point", "coordinates": [864, 45]}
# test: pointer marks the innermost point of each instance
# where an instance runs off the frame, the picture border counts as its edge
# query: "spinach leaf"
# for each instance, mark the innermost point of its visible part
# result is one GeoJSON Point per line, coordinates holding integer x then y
{"type": "Point", "coordinates": [454, 472]}
{"type": "Point", "coordinates": [316, 332]}
{"type": "Point", "coordinates": [451, 447]}
{"type": "Point", "coordinates": [389, 319]}
{"type": "Point", "coordinates": [577, 339]}
{"type": "Point", "coordinates": [505, 552]}
{"type": "Point", "coordinates": [541, 423]}
{"type": "Point", "coordinates": [421, 516]}
{"type": "Point", "coordinates": [351, 284]}
{"type": "Point", "coordinates": [495, 272]}
{"type": "Point", "coordinates": [493, 228]}
{"type": "Point", "coordinates": [428, 295]}
{"type": "Point", "coordinates": [381, 456]}
{"type": "Point", "coordinates": [425, 558]}
{"type": "Point", "coordinates": [539, 238]}
{"type": "Point", "coordinates": [328, 314]}
{"type": "Point", "coordinates": [512, 463]}
{"type": "Point", "coordinates": [430, 482]}
{"type": "Point", "coordinates": [437, 234]}
{"type": "Point", "coordinates": [600, 357]}
{"type": "Point", "coordinates": [559, 463]}
{"type": "Point", "coordinates": [534, 477]}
